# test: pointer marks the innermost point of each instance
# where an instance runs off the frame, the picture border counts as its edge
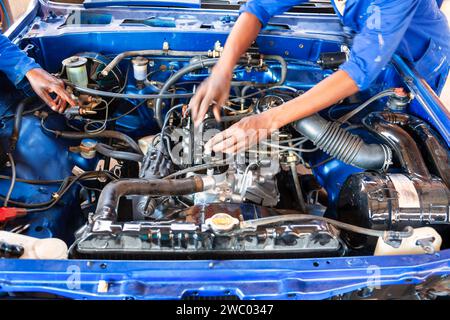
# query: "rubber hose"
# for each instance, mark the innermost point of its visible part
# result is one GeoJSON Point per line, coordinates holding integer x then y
{"type": "Point", "coordinates": [110, 152]}
{"type": "Point", "coordinates": [341, 144]}
{"type": "Point", "coordinates": [104, 134]}
{"type": "Point", "coordinates": [111, 194]}
{"type": "Point", "coordinates": [18, 122]}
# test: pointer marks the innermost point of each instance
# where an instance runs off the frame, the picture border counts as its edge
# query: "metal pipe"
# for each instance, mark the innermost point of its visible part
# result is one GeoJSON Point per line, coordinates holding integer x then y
{"type": "Point", "coordinates": [13, 179]}
{"type": "Point", "coordinates": [170, 53]}
{"type": "Point", "coordinates": [117, 95]}
{"type": "Point", "coordinates": [435, 148]}
{"type": "Point", "coordinates": [172, 80]}
{"type": "Point", "coordinates": [279, 84]}
{"type": "Point", "coordinates": [351, 114]}
{"type": "Point", "coordinates": [283, 75]}
{"type": "Point", "coordinates": [210, 63]}
{"type": "Point", "coordinates": [291, 216]}
{"type": "Point", "coordinates": [401, 142]}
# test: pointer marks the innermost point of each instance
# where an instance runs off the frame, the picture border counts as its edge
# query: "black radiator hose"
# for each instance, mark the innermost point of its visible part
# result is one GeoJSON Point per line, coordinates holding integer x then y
{"type": "Point", "coordinates": [341, 144]}
{"type": "Point", "coordinates": [111, 194]}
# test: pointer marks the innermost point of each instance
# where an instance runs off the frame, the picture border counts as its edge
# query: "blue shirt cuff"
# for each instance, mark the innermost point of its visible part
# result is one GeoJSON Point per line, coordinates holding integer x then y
{"type": "Point", "coordinates": [355, 72]}
{"type": "Point", "coordinates": [257, 10]}
{"type": "Point", "coordinates": [23, 69]}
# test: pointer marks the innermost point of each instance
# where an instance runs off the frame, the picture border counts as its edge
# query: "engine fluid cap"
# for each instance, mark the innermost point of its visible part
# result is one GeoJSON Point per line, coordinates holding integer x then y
{"type": "Point", "coordinates": [87, 148]}
{"type": "Point", "coordinates": [221, 222]}
{"type": "Point", "coordinates": [74, 62]}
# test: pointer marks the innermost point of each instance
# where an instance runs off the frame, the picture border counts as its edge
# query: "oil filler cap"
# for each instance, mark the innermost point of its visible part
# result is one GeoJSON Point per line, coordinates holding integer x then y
{"type": "Point", "coordinates": [221, 223]}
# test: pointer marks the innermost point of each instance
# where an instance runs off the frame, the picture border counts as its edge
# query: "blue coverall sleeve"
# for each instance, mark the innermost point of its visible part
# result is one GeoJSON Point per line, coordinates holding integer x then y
{"type": "Point", "coordinates": [266, 9]}
{"type": "Point", "coordinates": [378, 40]}
{"type": "Point", "coordinates": [13, 61]}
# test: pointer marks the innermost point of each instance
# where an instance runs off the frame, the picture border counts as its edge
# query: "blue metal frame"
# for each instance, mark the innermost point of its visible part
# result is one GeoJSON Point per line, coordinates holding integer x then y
{"type": "Point", "coordinates": [247, 279]}
{"type": "Point", "coordinates": [153, 3]}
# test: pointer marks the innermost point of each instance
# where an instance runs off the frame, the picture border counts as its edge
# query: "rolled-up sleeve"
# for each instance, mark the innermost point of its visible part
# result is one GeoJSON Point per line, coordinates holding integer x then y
{"type": "Point", "coordinates": [378, 40]}
{"type": "Point", "coordinates": [13, 61]}
{"type": "Point", "coordinates": [266, 9]}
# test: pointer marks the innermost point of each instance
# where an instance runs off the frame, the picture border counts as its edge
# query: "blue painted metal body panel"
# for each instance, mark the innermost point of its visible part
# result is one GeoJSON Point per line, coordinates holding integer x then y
{"type": "Point", "coordinates": [248, 279]}
{"type": "Point", "coordinates": [153, 3]}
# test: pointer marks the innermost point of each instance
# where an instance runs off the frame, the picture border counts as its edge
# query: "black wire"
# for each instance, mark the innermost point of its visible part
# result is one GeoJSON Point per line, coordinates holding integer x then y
{"type": "Point", "coordinates": [13, 179]}
{"type": "Point", "coordinates": [321, 163]}
{"type": "Point", "coordinates": [53, 202]}
{"type": "Point", "coordinates": [11, 116]}
{"type": "Point", "coordinates": [59, 133]}
{"type": "Point", "coordinates": [63, 189]}
{"type": "Point", "coordinates": [40, 204]}
{"type": "Point", "coordinates": [63, 192]}
{"type": "Point", "coordinates": [3, 177]}
{"type": "Point", "coordinates": [128, 112]}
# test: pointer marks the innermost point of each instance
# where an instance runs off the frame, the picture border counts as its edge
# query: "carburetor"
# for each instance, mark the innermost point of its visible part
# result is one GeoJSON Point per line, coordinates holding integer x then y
{"type": "Point", "coordinates": [254, 182]}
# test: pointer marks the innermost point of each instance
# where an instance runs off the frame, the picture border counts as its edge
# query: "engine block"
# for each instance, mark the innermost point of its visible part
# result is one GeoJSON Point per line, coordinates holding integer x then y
{"type": "Point", "coordinates": [208, 231]}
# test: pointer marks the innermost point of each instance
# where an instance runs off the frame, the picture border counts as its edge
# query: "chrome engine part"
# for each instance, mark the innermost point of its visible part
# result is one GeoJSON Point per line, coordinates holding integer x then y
{"type": "Point", "coordinates": [253, 181]}
{"type": "Point", "coordinates": [256, 183]}
{"type": "Point", "coordinates": [210, 230]}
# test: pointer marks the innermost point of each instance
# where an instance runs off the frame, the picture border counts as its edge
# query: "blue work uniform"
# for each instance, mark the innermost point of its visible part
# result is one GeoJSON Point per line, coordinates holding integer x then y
{"type": "Point", "coordinates": [417, 30]}
{"type": "Point", "coordinates": [13, 61]}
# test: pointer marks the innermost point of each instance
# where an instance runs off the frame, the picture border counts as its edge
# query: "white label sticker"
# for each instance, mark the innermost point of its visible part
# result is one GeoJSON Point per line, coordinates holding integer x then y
{"type": "Point", "coordinates": [407, 193]}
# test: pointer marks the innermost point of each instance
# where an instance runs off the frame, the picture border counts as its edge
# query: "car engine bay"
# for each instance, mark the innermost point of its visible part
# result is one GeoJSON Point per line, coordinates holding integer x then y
{"type": "Point", "coordinates": [365, 177]}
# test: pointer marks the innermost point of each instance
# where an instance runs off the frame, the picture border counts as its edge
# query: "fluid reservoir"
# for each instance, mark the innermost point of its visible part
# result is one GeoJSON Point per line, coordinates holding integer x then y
{"type": "Point", "coordinates": [76, 70]}
{"type": "Point", "coordinates": [423, 240]}
{"type": "Point", "coordinates": [140, 65]}
{"type": "Point", "coordinates": [33, 248]}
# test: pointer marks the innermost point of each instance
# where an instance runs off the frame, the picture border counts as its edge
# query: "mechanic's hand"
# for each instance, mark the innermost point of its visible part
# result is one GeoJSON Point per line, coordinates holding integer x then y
{"type": "Point", "coordinates": [44, 84]}
{"type": "Point", "coordinates": [213, 92]}
{"type": "Point", "coordinates": [244, 133]}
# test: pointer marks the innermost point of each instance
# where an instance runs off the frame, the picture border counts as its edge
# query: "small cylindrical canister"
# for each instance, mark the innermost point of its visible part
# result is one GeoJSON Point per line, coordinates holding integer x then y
{"type": "Point", "coordinates": [76, 70]}
{"type": "Point", "coordinates": [140, 65]}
